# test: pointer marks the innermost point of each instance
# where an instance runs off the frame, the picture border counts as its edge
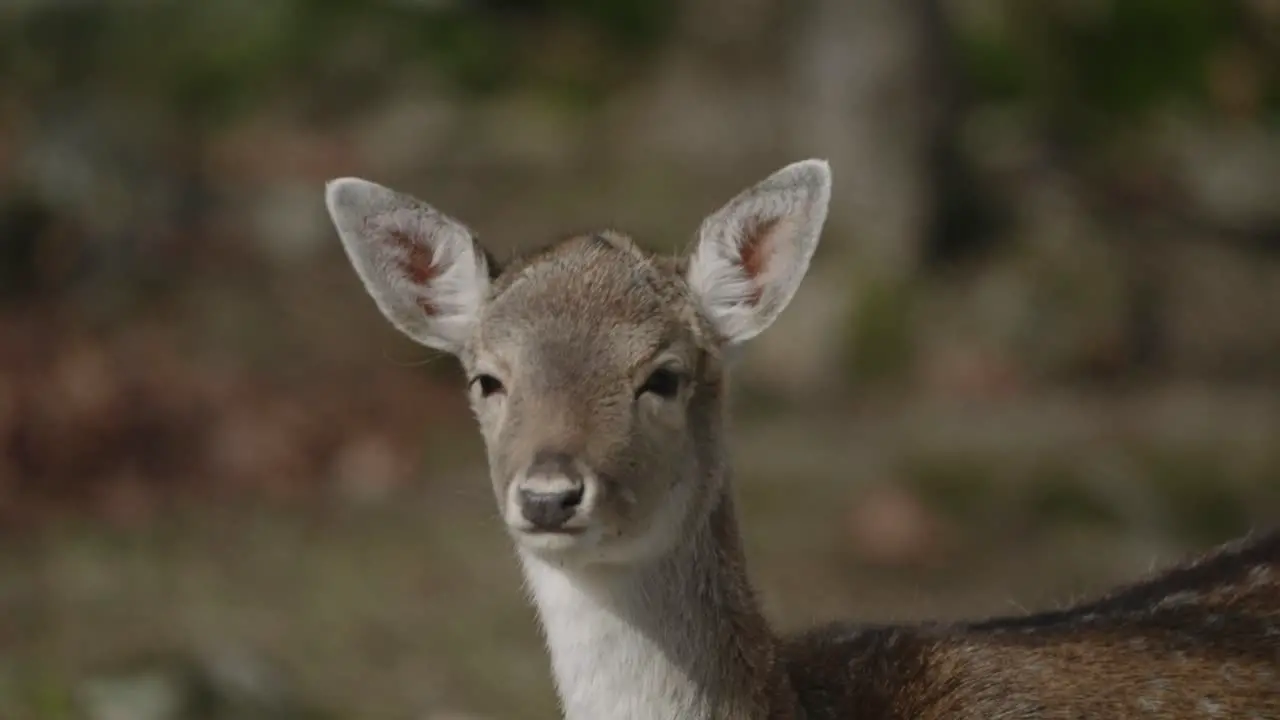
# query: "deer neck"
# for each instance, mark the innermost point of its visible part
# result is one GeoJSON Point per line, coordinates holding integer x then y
{"type": "Point", "coordinates": [680, 637]}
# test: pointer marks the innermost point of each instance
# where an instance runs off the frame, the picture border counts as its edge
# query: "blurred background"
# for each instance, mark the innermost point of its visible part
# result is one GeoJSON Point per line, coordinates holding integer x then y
{"type": "Point", "coordinates": [1038, 351]}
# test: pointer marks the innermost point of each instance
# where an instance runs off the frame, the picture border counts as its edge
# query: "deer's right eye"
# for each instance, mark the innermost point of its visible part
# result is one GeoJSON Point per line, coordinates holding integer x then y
{"type": "Point", "coordinates": [488, 385]}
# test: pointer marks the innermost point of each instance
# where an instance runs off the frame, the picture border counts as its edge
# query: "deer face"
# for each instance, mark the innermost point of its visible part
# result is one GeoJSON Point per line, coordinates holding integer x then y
{"type": "Point", "coordinates": [594, 368]}
{"type": "Point", "coordinates": [590, 369]}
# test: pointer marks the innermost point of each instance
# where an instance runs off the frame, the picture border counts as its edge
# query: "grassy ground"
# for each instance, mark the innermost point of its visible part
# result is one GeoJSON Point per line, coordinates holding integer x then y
{"type": "Point", "coordinates": [413, 605]}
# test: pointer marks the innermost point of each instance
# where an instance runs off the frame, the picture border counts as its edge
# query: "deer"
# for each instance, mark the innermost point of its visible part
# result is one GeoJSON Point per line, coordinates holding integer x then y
{"type": "Point", "coordinates": [597, 371]}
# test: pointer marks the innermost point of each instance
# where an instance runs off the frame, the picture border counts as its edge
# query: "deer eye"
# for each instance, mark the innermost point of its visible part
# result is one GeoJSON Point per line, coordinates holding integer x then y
{"type": "Point", "coordinates": [488, 385]}
{"type": "Point", "coordinates": [663, 382]}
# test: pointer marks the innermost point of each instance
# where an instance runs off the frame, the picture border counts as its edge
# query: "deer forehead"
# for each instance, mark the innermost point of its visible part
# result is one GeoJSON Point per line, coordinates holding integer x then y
{"type": "Point", "coordinates": [592, 305]}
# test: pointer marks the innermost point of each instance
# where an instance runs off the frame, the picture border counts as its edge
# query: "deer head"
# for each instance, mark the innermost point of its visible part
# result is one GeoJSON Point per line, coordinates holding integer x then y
{"type": "Point", "coordinates": [595, 368]}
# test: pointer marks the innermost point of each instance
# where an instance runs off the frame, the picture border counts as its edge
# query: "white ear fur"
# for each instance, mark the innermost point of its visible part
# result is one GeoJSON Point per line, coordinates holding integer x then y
{"type": "Point", "coordinates": [753, 252]}
{"type": "Point", "coordinates": [424, 269]}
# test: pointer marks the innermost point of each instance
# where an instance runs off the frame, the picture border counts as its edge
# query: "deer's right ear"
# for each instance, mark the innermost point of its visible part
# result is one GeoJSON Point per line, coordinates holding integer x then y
{"type": "Point", "coordinates": [753, 252]}
{"type": "Point", "coordinates": [424, 269]}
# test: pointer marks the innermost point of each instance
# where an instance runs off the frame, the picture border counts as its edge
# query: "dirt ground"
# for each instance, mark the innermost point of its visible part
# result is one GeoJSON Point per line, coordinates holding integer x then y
{"type": "Point", "coordinates": [410, 606]}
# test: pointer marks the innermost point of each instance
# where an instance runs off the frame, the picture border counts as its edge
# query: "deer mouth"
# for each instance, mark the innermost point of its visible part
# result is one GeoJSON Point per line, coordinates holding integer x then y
{"type": "Point", "coordinates": [568, 531]}
{"type": "Point", "coordinates": [552, 543]}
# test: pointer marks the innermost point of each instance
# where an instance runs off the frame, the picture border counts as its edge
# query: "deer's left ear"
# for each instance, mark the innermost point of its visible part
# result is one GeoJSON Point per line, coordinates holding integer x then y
{"type": "Point", "coordinates": [753, 252]}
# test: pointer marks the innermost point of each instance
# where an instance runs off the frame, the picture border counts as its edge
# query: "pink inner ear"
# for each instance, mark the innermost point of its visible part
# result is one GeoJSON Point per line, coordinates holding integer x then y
{"type": "Point", "coordinates": [419, 265]}
{"type": "Point", "coordinates": [755, 251]}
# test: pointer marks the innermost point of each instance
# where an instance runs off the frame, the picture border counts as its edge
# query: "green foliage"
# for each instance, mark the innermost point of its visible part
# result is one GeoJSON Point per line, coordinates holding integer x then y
{"type": "Point", "coordinates": [633, 24]}
{"type": "Point", "coordinates": [1057, 497]}
{"type": "Point", "coordinates": [1088, 68]}
{"type": "Point", "coordinates": [880, 340]}
{"type": "Point", "coordinates": [211, 61]}
{"type": "Point", "coordinates": [959, 485]}
{"type": "Point", "coordinates": [1205, 501]}
{"type": "Point", "coordinates": [1201, 496]}
{"type": "Point", "coordinates": [1144, 52]}
{"type": "Point", "coordinates": [974, 487]}
{"type": "Point", "coordinates": [996, 67]}
{"type": "Point", "coordinates": [43, 693]}
{"type": "Point", "coordinates": [475, 55]}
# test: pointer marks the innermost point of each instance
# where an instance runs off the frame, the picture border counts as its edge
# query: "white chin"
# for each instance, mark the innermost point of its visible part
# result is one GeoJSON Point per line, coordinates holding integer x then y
{"type": "Point", "coordinates": [551, 543]}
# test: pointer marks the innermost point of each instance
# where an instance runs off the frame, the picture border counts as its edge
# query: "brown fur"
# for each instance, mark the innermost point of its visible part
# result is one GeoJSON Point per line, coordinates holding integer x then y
{"type": "Point", "coordinates": [1201, 640]}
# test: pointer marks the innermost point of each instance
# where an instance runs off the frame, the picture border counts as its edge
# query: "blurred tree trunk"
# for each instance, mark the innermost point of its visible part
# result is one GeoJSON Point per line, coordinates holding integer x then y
{"type": "Point", "coordinates": [869, 88]}
{"type": "Point", "coordinates": [869, 92]}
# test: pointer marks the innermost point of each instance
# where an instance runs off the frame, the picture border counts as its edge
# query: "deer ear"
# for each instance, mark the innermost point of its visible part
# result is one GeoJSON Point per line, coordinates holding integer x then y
{"type": "Point", "coordinates": [752, 253]}
{"type": "Point", "coordinates": [424, 269]}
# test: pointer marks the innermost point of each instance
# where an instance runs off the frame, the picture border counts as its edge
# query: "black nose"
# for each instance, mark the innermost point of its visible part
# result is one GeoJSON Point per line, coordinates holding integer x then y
{"type": "Point", "coordinates": [552, 490]}
{"type": "Point", "coordinates": [550, 510]}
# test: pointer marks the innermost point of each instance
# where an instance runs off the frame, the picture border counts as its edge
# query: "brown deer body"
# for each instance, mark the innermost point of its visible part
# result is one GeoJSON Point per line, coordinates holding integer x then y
{"type": "Point", "coordinates": [597, 374]}
{"type": "Point", "coordinates": [1198, 641]}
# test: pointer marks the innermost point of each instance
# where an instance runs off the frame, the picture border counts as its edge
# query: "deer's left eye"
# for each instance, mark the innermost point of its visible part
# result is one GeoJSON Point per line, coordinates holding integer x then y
{"type": "Point", "coordinates": [488, 385]}
{"type": "Point", "coordinates": [663, 382]}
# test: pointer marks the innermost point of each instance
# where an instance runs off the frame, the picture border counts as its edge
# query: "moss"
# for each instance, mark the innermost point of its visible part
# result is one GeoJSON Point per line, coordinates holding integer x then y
{"type": "Point", "coordinates": [1054, 495]}
{"type": "Point", "coordinates": [44, 695]}
{"type": "Point", "coordinates": [1205, 503]}
{"type": "Point", "coordinates": [958, 485]}
{"type": "Point", "coordinates": [975, 488]}
{"type": "Point", "coordinates": [1266, 477]}
{"type": "Point", "coordinates": [880, 340]}
{"type": "Point", "coordinates": [995, 67]}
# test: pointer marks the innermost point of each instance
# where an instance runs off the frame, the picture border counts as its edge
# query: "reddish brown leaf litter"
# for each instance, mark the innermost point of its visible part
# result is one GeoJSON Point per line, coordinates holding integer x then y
{"type": "Point", "coordinates": [120, 425]}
